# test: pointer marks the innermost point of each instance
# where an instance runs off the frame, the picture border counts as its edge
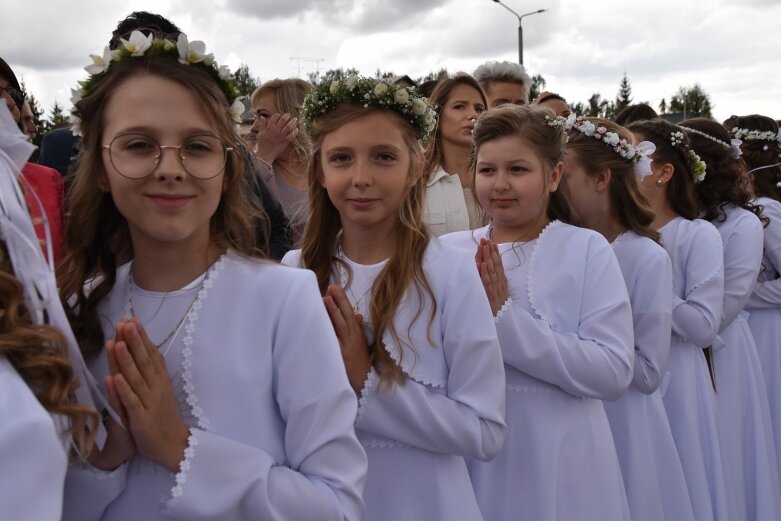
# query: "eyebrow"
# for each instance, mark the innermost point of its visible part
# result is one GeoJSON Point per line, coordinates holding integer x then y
{"type": "Point", "coordinates": [152, 130]}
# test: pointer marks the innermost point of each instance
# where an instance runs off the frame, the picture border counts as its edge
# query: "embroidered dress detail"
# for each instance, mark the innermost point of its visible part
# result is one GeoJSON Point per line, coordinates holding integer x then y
{"type": "Point", "coordinates": [368, 385]}
{"type": "Point", "coordinates": [532, 389]}
{"type": "Point", "coordinates": [507, 304]}
{"type": "Point", "coordinates": [530, 280]}
{"type": "Point", "coordinates": [383, 444]}
{"type": "Point", "coordinates": [409, 371]}
{"type": "Point", "coordinates": [181, 476]}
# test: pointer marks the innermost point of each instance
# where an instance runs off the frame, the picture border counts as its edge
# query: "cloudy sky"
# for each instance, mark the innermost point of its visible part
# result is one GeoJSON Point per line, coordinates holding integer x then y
{"type": "Point", "coordinates": [733, 49]}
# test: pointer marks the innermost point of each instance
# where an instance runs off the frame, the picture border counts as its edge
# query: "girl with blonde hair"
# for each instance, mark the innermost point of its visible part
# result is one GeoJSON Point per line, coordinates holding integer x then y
{"type": "Point", "coordinates": [426, 367]}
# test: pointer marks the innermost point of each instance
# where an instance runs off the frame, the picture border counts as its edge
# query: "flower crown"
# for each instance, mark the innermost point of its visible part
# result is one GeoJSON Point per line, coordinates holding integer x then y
{"type": "Point", "coordinates": [370, 92]}
{"type": "Point", "coordinates": [753, 135]}
{"type": "Point", "coordinates": [638, 154]}
{"type": "Point", "coordinates": [698, 165]}
{"type": "Point", "coordinates": [189, 53]}
{"type": "Point", "coordinates": [733, 145]}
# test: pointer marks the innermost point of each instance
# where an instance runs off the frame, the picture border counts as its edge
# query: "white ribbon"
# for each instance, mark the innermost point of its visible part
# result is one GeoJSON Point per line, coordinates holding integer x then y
{"type": "Point", "coordinates": [734, 146]}
{"type": "Point", "coordinates": [30, 267]}
{"type": "Point", "coordinates": [643, 164]}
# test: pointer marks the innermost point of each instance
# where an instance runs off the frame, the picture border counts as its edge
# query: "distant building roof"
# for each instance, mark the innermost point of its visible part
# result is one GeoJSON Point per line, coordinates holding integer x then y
{"type": "Point", "coordinates": [674, 117]}
{"type": "Point", "coordinates": [404, 80]}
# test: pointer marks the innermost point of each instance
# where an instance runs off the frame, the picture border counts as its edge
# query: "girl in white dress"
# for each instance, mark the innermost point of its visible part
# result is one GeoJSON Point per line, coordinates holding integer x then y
{"type": "Point", "coordinates": [449, 204]}
{"type": "Point", "coordinates": [223, 369]}
{"type": "Point", "coordinates": [41, 420]}
{"type": "Point", "coordinates": [601, 172]}
{"type": "Point", "coordinates": [747, 445]}
{"type": "Point", "coordinates": [564, 323]}
{"type": "Point", "coordinates": [763, 156]}
{"type": "Point", "coordinates": [695, 249]}
{"type": "Point", "coordinates": [414, 325]}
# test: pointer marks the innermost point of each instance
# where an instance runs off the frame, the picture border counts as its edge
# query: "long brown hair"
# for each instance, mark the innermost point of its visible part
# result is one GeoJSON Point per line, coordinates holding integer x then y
{"type": "Point", "coordinates": [528, 122]}
{"type": "Point", "coordinates": [439, 97]}
{"type": "Point", "coordinates": [760, 153]}
{"type": "Point", "coordinates": [724, 182]}
{"type": "Point", "coordinates": [39, 354]}
{"type": "Point", "coordinates": [96, 234]}
{"type": "Point", "coordinates": [404, 269]}
{"type": "Point", "coordinates": [680, 189]}
{"type": "Point", "coordinates": [626, 200]}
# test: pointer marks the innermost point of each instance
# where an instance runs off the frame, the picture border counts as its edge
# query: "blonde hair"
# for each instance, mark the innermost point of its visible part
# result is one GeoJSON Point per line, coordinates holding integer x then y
{"type": "Point", "coordinates": [39, 354]}
{"type": "Point", "coordinates": [405, 266]}
{"type": "Point", "coordinates": [97, 238]}
{"type": "Point", "coordinates": [627, 201]}
{"type": "Point", "coordinates": [529, 123]}
{"type": "Point", "coordinates": [289, 95]}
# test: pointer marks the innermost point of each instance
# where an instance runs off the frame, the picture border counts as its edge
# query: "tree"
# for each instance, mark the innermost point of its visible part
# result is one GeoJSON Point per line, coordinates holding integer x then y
{"type": "Point", "coordinates": [624, 98]}
{"type": "Point", "coordinates": [578, 108]}
{"type": "Point", "coordinates": [380, 75]}
{"type": "Point", "coordinates": [663, 106]}
{"type": "Point", "coordinates": [441, 74]}
{"type": "Point", "coordinates": [245, 81]}
{"type": "Point", "coordinates": [691, 101]}
{"type": "Point", "coordinates": [57, 119]}
{"type": "Point", "coordinates": [37, 111]}
{"type": "Point", "coordinates": [598, 107]}
{"type": "Point", "coordinates": [538, 86]}
{"type": "Point", "coordinates": [332, 74]}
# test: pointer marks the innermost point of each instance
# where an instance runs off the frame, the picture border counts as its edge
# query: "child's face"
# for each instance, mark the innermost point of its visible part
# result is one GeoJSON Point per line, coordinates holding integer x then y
{"type": "Point", "coordinates": [169, 205]}
{"type": "Point", "coordinates": [459, 113]}
{"type": "Point", "coordinates": [511, 184]}
{"type": "Point", "coordinates": [581, 188]}
{"type": "Point", "coordinates": [366, 165]}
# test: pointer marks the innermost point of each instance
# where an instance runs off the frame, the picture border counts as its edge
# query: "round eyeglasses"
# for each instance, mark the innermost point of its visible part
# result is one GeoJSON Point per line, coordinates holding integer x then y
{"type": "Point", "coordinates": [136, 156]}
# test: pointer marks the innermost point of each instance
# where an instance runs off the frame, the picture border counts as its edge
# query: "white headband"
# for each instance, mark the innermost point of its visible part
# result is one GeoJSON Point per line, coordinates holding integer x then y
{"type": "Point", "coordinates": [733, 145]}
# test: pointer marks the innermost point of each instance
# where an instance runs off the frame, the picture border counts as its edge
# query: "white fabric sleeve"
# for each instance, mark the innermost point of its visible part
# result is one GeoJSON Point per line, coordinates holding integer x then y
{"type": "Point", "coordinates": [89, 491]}
{"type": "Point", "coordinates": [742, 261]}
{"type": "Point", "coordinates": [323, 477]}
{"type": "Point", "coordinates": [652, 313]}
{"type": "Point", "coordinates": [596, 360]}
{"type": "Point", "coordinates": [467, 417]}
{"type": "Point", "coordinates": [767, 293]}
{"type": "Point", "coordinates": [697, 316]}
{"type": "Point", "coordinates": [33, 459]}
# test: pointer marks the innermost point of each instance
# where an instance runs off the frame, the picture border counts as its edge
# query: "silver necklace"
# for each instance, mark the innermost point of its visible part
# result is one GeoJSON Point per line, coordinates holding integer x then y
{"type": "Point", "coordinates": [180, 322]}
{"type": "Point", "coordinates": [347, 284]}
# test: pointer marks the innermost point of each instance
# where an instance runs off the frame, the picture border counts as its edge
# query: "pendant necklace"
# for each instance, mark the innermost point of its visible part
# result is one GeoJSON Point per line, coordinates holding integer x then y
{"type": "Point", "coordinates": [347, 285]}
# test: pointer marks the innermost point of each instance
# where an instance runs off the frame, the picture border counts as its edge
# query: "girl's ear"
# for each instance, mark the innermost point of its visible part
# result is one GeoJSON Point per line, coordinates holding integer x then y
{"type": "Point", "coordinates": [555, 177]}
{"type": "Point", "coordinates": [602, 180]}
{"type": "Point", "coordinates": [664, 173]}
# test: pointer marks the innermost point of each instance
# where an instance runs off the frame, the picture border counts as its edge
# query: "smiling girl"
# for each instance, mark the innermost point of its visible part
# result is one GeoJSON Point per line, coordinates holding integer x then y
{"type": "Point", "coordinates": [427, 367]}
{"type": "Point", "coordinates": [237, 411]}
{"type": "Point", "coordinates": [564, 323]}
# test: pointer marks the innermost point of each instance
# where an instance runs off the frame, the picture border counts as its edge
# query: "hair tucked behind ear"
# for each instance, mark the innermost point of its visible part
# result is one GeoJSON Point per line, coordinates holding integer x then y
{"type": "Point", "coordinates": [404, 270]}
{"type": "Point", "coordinates": [725, 182]}
{"type": "Point", "coordinates": [40, 356]}
{"type": "Point", "coordinates": [626, 200]}
{"type": "Point", "coordinates": [680, 189]}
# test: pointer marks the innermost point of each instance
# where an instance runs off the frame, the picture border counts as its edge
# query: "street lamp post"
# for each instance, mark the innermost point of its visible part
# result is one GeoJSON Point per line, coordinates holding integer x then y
{"type": "Point", "coordinates": [520, 27]}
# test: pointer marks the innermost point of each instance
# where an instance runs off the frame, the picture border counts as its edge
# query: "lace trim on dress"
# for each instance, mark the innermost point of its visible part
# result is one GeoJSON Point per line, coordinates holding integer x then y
{"type": "Point", "coordinates": [181, 476]}
{"type": "Point", "coordinates": [505, 307]}
{"type": "Point", "coordinates": [370, 382]}
{"type": "Point", "coordinates": [530, 277]}
{"type": "Point", "coordinates": [409, 371]}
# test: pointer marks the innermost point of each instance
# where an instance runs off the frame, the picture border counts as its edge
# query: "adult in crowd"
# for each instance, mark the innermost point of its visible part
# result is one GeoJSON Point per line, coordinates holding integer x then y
{"type": "Point", "coordinates": [504, 82]}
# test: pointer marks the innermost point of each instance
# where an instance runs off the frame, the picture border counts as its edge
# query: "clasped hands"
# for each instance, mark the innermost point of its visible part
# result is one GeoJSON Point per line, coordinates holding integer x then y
{"type": "Point", "coordinates": [491, 270]}
{"type": "Point", "coordinates": [349, 331]}
{"type": "Point", "coordinates": [140, 390]}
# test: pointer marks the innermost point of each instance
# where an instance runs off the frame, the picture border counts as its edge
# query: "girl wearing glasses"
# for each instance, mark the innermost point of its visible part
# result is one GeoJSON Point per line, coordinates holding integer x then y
{"type": "Point", "coordinates": [223, 405]}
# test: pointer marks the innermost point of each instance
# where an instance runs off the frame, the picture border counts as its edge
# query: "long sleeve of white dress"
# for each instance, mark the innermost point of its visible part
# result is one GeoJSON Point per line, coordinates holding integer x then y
{"type": "Point", "coordinates": [767, 291]}
{"type": "Point", "coordinates": [742, 261]}
{"type": "Point", "coordinates": [652, 311]}
{"type": "Point", "coordinates": [323, 475]}
{"type": "Point", "coordinates": [32, 457]}
{"type": "Point", "coordinates": [465, 418]}
{"type": "Point", "coordinates": [697, 316]}
{"type": "Point", "coordinates": [596, 361]}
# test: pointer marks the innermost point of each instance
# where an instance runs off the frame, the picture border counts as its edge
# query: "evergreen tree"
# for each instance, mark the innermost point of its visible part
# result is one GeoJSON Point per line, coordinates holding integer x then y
{"type": "Point", "coordinates": [599, 108]}
{"type": "Point", "coordinates": [57, 118]}
{"type": "Point", "coordinates": [663, 106]}
{"type": "Point", "coordinates": [538, 86]}
{"type": "Point", "coordinates": [332, 74]}
{"type": "Point", "coordinates": [691, 102]}
{"type": "Point", "coordinates": [245, 81]}
{"type": "Point", "coordinates": [624, 98]}
{"type": "Point", "coordinates": [441, 74]}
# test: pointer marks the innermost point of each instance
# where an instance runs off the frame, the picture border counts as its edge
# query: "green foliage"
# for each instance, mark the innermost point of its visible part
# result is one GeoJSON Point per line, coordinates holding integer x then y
{"type": "Point", "coordinates": [624, 98]}
{"type": "Point", "coordinates": [315, 78]}
{"type": "Point", "coordinates": [441, 74]}
{"type": "Point", "coordinates": [245, 82]}
{"type": "Point", "coordinates": [538, 86]}
{"type": "Point", "coordinates": [663, 106]}
{"type": "Point", "coordinates": [691, 102]}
